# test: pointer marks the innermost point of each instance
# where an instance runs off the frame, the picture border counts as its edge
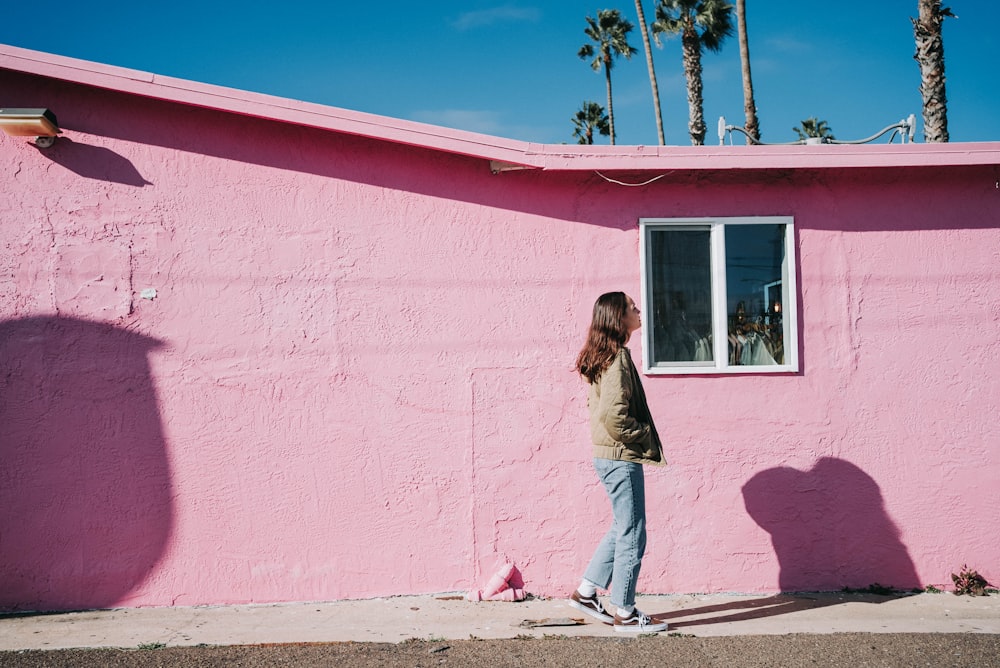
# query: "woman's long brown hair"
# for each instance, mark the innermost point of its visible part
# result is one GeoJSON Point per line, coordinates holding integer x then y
{"type": "Point", "coordinates": [607, 335]}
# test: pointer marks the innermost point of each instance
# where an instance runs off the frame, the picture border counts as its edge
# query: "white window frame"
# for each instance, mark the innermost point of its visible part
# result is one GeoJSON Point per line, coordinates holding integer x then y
{"type": "Point", "coordinates": [720, 363]}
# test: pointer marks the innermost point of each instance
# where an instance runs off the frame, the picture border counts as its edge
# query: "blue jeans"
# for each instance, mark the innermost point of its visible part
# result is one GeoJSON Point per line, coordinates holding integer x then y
{"type": "Point", "coordinates": [617, 559]}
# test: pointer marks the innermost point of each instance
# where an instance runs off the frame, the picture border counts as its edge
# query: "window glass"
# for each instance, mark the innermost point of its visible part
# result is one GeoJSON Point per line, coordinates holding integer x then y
{"type": "Point", "coordinates": [682, 301]}
{"type": "Point", "coordinates": [755, 258]}
{"type": "Point", "coordinates": [718, 295]}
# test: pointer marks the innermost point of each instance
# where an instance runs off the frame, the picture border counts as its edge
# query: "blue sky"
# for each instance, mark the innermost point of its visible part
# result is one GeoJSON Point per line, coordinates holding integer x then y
{"type": "Point", "coordinates": [509, 67]}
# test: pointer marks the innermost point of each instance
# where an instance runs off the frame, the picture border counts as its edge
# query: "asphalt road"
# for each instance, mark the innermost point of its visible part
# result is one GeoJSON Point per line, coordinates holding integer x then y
{"type": "Point", "coordinates": [852, 650]}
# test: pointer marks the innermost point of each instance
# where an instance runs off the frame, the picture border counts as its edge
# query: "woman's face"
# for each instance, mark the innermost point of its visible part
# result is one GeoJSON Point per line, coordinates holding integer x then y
{"type": "Point", "coordinates": [633, 319]}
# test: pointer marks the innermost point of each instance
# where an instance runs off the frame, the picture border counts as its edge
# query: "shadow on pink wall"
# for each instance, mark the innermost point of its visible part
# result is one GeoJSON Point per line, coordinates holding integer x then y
{"type": "Point", "coordinates": [830, 528]}
{"type": "Point", "coordinates": [94, 162]}
{"type": "Point", "coordinates": [85, 509]}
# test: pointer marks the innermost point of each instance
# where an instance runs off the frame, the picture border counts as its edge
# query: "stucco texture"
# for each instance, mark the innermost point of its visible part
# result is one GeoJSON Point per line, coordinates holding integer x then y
{"type": "Point", "coordinates": [356, 376]}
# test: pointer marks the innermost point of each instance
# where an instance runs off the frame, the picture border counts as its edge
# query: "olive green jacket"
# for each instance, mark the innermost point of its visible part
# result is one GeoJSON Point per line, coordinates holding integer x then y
{"type": "Point", "coordinates": [620, 424]}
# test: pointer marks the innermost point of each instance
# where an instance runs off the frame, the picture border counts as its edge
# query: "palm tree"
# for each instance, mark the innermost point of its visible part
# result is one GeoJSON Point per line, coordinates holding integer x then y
{"type": "Point", "coordinates": [930, 57]}
{"type": "Point", "coordinates": [813, 128]}
{"type": "Point", "coordinates": [749, 106]}
{"type": "Point", "coordinates": [590, 117]}
{"type": "Point", "coordinates": [652, 72]}
{"type": "Point", "coordinates": [610, 32]}
{"type": "Point", "coordinates": [702, 24]}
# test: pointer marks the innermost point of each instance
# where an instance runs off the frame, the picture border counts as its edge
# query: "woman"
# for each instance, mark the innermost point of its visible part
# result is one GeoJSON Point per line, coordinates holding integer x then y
{"type": "Point", "coordinates": [624, 439]}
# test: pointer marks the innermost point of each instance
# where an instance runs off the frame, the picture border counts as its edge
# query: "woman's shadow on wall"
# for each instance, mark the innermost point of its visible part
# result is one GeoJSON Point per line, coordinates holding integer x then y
{"type": "Point", "coordinates": [85, 509]}
{"type": "Point", "coordinates": [829, 527]}
{"type": "Point", "coordinates": [830, 531]}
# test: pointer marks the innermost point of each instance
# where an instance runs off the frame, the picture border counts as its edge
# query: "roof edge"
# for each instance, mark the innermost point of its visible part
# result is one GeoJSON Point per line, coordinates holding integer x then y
{"type": "Point", "coordinates": [507, 153]}
{"type": "Point", "coordinates": [263, 106]}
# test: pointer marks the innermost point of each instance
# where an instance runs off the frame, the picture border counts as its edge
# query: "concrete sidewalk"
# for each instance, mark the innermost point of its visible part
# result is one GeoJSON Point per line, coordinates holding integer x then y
{"type": "Point", "coordinates": [450, 617]}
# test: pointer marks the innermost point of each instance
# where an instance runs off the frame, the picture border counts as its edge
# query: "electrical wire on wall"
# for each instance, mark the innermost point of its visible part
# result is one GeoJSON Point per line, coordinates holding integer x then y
{"type": "Point", "coordinates": [631, 185]}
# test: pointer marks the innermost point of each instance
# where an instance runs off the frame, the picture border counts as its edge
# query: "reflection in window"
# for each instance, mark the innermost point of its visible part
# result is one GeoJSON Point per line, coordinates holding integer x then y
{"type": "Point", "coordinates": [682, 301]}
{"type": "Point", "coordinates": [717, 293]}
{"type": "Point", "coordinates": [755, 257]}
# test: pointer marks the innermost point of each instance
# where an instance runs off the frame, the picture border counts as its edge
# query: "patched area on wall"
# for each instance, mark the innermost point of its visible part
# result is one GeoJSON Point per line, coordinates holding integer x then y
{"type": "Point", "coordinates": [522, 492]}
{"type": "Point", "coordinates": [92, 280]}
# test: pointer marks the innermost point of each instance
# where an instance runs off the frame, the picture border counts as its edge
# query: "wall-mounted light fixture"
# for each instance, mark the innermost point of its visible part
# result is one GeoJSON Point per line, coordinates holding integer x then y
{"type": "Point", "coordinates": [38, 123]}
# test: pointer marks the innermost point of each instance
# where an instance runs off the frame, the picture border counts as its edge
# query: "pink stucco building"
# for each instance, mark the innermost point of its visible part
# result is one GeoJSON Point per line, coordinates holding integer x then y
{"type": "Point", "coordinates": [255, 350]}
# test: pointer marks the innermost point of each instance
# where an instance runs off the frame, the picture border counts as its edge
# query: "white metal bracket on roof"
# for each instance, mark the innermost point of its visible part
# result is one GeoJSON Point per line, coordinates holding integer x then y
{"type": "Point", "coordinates": [905, 128]}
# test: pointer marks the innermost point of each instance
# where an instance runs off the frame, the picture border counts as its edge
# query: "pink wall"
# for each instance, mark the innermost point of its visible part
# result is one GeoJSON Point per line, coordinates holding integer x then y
{"type": "Point", "coordinates": [356, 380]}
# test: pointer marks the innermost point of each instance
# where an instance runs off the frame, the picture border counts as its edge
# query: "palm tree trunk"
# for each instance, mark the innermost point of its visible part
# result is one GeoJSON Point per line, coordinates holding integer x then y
{"type": "Point", "coordinates": [930, 57]}
{"type": "Point", "coordinates": [749, 106]}
{"type": "Point", "coordinates": [611, 112]}
{"type": "Point", "coordinates": [652, 73]}
{"type": "Point", "coordinates": [691, 48]}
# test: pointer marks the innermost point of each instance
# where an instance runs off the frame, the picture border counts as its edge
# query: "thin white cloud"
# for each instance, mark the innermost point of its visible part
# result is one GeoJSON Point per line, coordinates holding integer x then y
{"type": "Point", "coordinates": [789, 45]}
{"type": "Point", "coordinates": [486, 122]}
{"type": "Point", "coordinates": [501, 14]}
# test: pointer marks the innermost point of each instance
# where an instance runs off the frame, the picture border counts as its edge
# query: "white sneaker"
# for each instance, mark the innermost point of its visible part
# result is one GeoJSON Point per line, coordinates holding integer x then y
{"type": "Point", "coordinates": [638, 622]}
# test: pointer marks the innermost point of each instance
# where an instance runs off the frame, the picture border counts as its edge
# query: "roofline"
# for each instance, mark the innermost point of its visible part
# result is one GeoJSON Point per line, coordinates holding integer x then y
{"type": "Point", "coordinates": [504, 154]}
